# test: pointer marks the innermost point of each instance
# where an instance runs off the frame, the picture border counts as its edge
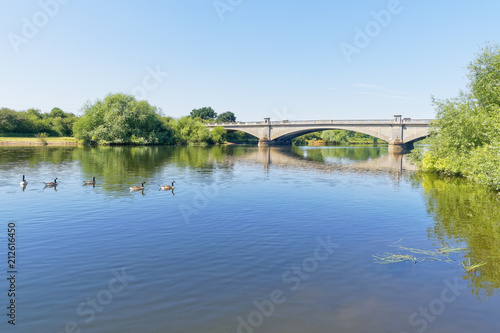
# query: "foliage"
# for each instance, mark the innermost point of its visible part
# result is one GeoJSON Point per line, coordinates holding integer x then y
{"type": "Point", "coordinates": [57, 112]}
{"type": "Point", "coordinates": [189, 130]}
{"type": "Point", "coordinates": [205, 113]}
{"type": "Point", "coordinates": [241, 137]}
{"type": "Point", "coordinates": [466, 136]}
{"type": "Point", "coordinates": [226, 117]}
{"type": "Point", "coordinates": [336, 137]}
{"type": "Point", "coordinates": [32, 121]}
{"type": "Point", "coordinates": [120, 118]}
{"type": "Point", "coordinates": [304, 139]}
{"type": "Point", "coordinates": [219, 134]}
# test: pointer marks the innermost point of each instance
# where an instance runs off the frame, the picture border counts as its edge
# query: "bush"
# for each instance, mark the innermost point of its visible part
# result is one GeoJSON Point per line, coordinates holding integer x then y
{"type": "Point", "coordinates": [466, 138]}
{"type": "Point", "coordinates": [121, 119]}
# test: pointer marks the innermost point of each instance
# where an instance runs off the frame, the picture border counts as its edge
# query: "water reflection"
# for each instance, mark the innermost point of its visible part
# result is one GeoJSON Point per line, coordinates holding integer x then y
{"type": "Point", "coordinates": [469, 214]}
{"type": "Point", "coordinates": [331, 158]}
{"type": "Point", "coordinates": [343, 155]}
{"type": "Point", "coordinates": [119, 167]}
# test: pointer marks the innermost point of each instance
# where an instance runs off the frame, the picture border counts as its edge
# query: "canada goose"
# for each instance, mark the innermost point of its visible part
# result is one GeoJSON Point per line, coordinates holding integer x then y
{"type": "Point", "coordinates": [138, 188]}
{"type": "Point", "coordinates": [89, 182]}
{"type": "Point", "coordinates": [23, 182]}
{"type": "Point", "coordinates": [167, 187]}
{"type": "Point", "coordinates": [51, 184]}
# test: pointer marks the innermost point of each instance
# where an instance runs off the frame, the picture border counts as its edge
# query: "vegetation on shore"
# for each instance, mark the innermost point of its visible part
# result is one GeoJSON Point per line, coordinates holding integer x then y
{"type": "Point", "coordinates": [117, 119]}
{"type": "Point", "coordinates": [335, 137]}
{"type": "Point", "coordinates": [466, 137]}
{"type": "Point", "coordinates": [32, 121]}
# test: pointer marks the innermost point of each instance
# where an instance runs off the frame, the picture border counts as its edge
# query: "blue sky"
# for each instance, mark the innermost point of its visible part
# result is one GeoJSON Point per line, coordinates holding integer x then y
{"type": "Point", "coordinates": [279, 59]}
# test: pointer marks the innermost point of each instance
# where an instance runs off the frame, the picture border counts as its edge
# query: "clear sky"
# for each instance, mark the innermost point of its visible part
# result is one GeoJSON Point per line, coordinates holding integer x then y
{"type": "Point", "coordinates": [293, 59]}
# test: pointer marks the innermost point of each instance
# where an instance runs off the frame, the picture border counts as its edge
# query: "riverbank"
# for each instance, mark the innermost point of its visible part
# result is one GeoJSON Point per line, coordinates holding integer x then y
{"type": "Point", "coordinates": [27, 141]}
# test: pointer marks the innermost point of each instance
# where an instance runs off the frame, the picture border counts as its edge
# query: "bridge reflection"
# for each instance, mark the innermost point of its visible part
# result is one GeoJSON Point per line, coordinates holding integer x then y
{"type": "Point", "coordinates": [293, 157]}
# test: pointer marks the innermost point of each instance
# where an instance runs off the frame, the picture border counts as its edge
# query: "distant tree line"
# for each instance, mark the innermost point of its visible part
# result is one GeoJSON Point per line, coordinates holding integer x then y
{"type": "Point", "coordinates": [118, 119]}
{"type": "Point", "coordinates": [336, 137]}
{"type": "Point", "coordinates": [55, 123]}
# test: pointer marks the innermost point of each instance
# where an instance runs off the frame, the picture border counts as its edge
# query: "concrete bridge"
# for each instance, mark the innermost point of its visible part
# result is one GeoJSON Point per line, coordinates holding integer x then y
{"type": "Point", "coordinates": [399, 132]}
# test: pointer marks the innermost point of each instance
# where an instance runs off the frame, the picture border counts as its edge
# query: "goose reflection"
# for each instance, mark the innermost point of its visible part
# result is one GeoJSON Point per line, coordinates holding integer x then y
{"type": "Point", "coordinates": [89, 182]}
{"type": "Point", "coordinates": [50, 186]}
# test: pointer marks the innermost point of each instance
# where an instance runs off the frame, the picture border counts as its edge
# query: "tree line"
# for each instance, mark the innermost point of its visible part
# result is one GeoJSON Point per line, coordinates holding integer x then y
{"type": "Point", "coordinates": [30, 122]}
{"type": "Point", "coordinates": [118, 119]}
{"type": "Point", "coordinates": [336, 137]}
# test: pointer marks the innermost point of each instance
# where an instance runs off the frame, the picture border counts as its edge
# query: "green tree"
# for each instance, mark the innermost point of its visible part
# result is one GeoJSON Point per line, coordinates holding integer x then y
{"type": "Point", "coordinates": [191, 131]}
{"type": "Point", "coordinates": [120, 118]}
{"type": "Point", "coordinates": [35, 113]}
{"type": "Point", "coordinates": [57, 113]}
{"type": "Point", "coordinates": [219, 134]}
{"type": "Point", "coordinates": [226, 117]}
{"type": "Point", "coordinates": [241, 137]}
{"type": "Point", "coordinates": [205, 113]}
{"type": "Point", "coordinates": [466, 132]}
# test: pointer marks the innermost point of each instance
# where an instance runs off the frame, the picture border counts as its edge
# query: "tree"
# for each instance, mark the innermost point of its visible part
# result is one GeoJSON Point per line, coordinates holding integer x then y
{"type": "Point", "coordinates": [35, 113]}
{"type": "Point", "coordinates": [219, 134]}
{"type": "Point", "coordinates": [205, 113]}
{"type": "Point", "coordinates": [57, 113]}
{"type": "Point", "coordinates": [120, 118]}
{"type": "Point", "coordinates": [226, 117]}
{"type": "Point", "coordinates": [191, 131]}
{"type": "Point", "coordinates": [466, 133]}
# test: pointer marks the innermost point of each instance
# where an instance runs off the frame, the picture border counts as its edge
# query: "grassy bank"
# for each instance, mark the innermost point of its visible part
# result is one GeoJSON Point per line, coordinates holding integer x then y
{"type": "Point", "coordinates": [32, 141]}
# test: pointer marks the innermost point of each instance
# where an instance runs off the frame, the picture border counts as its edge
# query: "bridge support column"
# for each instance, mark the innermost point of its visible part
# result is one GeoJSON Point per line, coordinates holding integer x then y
{"type": "Point", "coordinates": [398, 146]}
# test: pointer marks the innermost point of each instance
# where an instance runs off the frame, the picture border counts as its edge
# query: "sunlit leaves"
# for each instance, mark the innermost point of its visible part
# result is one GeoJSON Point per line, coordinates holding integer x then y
{"type": "Point", "coordinates": [468, 127]}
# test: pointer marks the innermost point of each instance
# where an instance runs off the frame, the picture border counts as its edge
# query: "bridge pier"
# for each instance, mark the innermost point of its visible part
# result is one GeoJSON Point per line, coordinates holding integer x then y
{"type": "Point", "coordinates": [397, 146]}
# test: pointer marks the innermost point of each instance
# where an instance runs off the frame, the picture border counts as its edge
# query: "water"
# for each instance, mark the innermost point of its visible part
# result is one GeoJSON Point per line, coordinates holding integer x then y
{"type": "Point", "coordinates": [251, 240]}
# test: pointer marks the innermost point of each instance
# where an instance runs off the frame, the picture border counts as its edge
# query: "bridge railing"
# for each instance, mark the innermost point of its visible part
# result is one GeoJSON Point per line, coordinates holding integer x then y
{"type": "Point", "coordinates": [323, 122]}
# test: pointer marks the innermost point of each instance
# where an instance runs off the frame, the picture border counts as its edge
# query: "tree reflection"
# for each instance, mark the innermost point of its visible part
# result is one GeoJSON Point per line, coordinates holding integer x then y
{"type": "Point", "coordinates": [118, 167]}
{"type": "Point", "coordinates": [354, 154]}
{"type": "Point", "coordinates": [34, 156]}
{"type": "Point", "coordinates": [469, 214]}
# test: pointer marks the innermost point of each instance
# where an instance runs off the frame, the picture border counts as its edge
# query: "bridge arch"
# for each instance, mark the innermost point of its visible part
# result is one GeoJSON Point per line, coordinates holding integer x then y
{"type": "Point", "coordinates": [411, 139]}
{"type": "Point", "coordinates": [302, 131]}
{"type": "Point", "coordinates": [249, 131]}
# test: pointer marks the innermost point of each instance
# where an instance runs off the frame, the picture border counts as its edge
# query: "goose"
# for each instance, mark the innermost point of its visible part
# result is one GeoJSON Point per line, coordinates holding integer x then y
{"type": "Point", "coordinates": [167, 187]}
{"type": "Point", "coordinates": [138, 188]}
{"type": "Point", "coordinates": [89, 182]}
{"type": "Point", "coordinates": [51, 184]}
{"type": "Point", "coordinates": [23, 182]}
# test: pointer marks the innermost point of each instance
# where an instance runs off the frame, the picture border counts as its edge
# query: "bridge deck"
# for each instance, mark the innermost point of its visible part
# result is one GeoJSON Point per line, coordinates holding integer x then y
{"type": "Point", "coordinates": [326, 122]}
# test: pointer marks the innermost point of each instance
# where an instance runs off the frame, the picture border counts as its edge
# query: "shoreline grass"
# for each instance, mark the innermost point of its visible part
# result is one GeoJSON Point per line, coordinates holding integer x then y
{"type": "Point", "coordinates": [32, 141]}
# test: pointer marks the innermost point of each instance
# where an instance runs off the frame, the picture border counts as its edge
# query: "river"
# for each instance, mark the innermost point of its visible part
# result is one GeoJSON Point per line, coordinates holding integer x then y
{"type": "Point", "coordinates": [290, 239]}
